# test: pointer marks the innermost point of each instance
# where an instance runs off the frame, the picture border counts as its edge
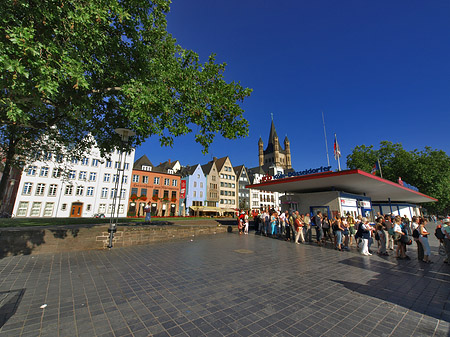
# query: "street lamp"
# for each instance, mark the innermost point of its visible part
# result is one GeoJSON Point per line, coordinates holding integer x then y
{"type": "Point", "coordinates": [125, 134]}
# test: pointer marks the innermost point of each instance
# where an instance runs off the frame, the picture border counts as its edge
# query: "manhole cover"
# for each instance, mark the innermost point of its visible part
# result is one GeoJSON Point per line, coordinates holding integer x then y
{"type": "Point", "coordinates": [243, 251]}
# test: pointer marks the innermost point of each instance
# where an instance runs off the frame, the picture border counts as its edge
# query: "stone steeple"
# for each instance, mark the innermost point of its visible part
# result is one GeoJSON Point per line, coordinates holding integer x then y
{"type": "Point", "coordinates": [274, 154]}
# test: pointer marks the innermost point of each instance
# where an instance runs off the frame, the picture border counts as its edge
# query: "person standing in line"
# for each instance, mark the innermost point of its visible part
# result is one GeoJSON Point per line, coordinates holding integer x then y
{"type": "Point", "coordinates": [345, 233]}
{"type": "Point", "coordinates": [415, 227]}
{"type": "Point", "coordinates": [282, 224]}
{"type": "Point", "coordinates": [245, 223]}
{"type": "Point", "coordinates": [267, 222]}
{"type": "Point", "coordinates": [351, 227]}
{"type": "Point", "coordinates": [288, 222]}
{"type": "Point", "coordinates": [307, 222]}
{"type": "Point", "coordinates": [366, 230]}
{"type": "Point", "coordinates": [423, 238]}
{"type": "Point", "coordinates": [445, 228]}
{"type": "Point", "coordinates": [398, 233]}
{"type": "Point", "coordinates": [318, 225]}
{"type": "Point", "coordinates": [338, 229]}
{"type": "Point", "coordinates": [326, 229]}
{"type": "Point", "coordinates": [382, 237]}
{"type": "Point", "coordinates": [148, 212]}
{"type": "Point", "coordinates": [390, 229]}
{"type": "Point", "coordinates": [273, 223]}
{"type": "Point", "coordinates": [299, 228]}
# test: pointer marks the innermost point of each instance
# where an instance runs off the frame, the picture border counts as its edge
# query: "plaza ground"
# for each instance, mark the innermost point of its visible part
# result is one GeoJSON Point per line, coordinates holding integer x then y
{"type": "Point", "coordinates": [223, 285]}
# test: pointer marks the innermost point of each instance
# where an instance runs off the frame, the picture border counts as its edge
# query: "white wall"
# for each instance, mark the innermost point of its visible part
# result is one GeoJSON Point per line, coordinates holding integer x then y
{"type": "Point", "coordinates": [59, 204]}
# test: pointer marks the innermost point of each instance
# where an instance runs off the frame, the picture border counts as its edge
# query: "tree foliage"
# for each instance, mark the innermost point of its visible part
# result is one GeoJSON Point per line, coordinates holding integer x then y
{"type": "Point", "coordinates": [71, 68]}
{"type": "Point", "coordinates": [428, 170]}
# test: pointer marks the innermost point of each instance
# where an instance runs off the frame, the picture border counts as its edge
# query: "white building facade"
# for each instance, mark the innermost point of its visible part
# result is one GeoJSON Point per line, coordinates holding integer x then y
{"type": "Point", "coordinates": [59, 188]}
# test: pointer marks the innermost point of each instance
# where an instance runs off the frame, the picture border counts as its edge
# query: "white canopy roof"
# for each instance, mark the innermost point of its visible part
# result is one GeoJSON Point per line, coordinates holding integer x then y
{"type": "Point", "coordinates": [350, 181]}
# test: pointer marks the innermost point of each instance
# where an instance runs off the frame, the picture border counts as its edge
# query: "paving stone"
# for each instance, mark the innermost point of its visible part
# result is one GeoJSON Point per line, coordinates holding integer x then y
{"type": "Point", "coordinates": [209, 287]}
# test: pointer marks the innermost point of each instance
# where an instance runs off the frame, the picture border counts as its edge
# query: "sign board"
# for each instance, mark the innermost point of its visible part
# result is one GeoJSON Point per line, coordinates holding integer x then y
{"type": "Point", "coordinates": [348, 202]}
{"type": "Point", "coordinates": [183, 189]}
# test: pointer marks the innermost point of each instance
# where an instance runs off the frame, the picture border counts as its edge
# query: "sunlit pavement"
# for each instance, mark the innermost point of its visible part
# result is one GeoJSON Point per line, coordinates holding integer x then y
{"type": "Point", "coordinates": [224, 285]}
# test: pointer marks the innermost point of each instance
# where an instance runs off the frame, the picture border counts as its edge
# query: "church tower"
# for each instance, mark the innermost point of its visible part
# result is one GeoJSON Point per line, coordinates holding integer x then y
{"type": "Point", "coordinates": [261, 152]}
{"type": "Point", "coordinates": [274, 154]}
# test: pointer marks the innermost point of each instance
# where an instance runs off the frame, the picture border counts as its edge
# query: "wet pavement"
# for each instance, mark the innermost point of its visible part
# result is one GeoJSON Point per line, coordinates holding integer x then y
{"type": "Point", "coordinates": [224, 285]}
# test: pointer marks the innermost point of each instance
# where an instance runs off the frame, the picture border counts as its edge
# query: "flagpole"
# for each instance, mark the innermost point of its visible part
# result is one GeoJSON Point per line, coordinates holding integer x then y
{"type": "Point", "coordinates": [325, 135]}
{"type": "Point", "coordinates": [379, 166]}
{"type": "Point", "coordinates": [339, 164]}
{"type": "Point", "coordinates": [337, 152]}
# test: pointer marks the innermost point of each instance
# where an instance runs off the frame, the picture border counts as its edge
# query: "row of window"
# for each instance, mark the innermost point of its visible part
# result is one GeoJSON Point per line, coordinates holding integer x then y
{"type": "Point", "coordinates": [201, 184]}
{"type": "Point", "coordinates": [228, 193]}
{"type": "Point", "coordinates": [200, 194]}
{"type": "Point", "coordinates": [49, 208]}
{"type": "Point", "coordinates": [135, 190]}
{"type": "Point", "coordinates": [230, 185]}
{"type": "Point", "coordinates": [227, 168]}
{"type": "Point", "coordinates": [156, 180]}
{"type": "Point", "coordinates": [228, 201]}
{"type": "Point", "coordinates": [227, 176]}
{"type": "Point", "coordinates": [244, 195]}
{"type": "Point", "coordinates": [44, 170]}
{"type": "Point", "coordinates": [82, 175]}
{"type": "Point", "coordinates": [69, 189]}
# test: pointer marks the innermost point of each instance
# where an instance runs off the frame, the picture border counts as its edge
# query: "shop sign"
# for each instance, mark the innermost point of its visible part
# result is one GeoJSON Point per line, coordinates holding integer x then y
{"type": "Point", "coordinates": [296, 174]}
{"type": "Point", "coordinates": [348, 202]}
{"type": "Point", "coordinates": [183, 189]}
{"type": "Point", "coordinates": [365, 204]}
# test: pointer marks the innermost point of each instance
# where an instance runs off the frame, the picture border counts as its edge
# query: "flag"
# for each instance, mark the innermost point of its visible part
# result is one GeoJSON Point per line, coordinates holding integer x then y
{"type": "Point", "coordinates": [375, 168]}
{"type": "Point", "coordinates": [337, 151]}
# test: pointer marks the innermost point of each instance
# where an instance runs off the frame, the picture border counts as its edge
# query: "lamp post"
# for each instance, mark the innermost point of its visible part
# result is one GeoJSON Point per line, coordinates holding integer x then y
{"type": "Point", "coordinates": [125, 134]}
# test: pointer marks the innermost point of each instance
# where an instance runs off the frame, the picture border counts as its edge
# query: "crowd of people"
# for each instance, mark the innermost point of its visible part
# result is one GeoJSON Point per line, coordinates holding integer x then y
{"type": "Point", "coordinates": [393, 234]}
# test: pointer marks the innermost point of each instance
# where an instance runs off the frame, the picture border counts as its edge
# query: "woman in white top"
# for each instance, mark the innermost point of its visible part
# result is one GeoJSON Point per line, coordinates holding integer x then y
{"type": "Point", "coordinates": [398, 233]}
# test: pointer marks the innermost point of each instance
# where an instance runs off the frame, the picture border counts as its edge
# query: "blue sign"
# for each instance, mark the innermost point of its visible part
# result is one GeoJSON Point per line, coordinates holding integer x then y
{"type": "Point", "coordinates": [302, 173]}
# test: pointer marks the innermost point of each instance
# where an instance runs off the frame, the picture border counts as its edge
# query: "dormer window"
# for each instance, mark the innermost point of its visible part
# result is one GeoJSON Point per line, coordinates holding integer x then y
{"type": "Point", "coordinates": [146, 168]}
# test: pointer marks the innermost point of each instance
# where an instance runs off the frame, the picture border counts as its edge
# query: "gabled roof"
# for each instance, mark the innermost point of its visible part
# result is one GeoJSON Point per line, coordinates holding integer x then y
{"type": "Point", "coordinates": [238, 170]}
{"type": "Point", "coordinates": [168, 164]}
{"type": "Point", "coordinates": [207, 167]}
{"type": "Point", "coordinates": [143, 161]}
{"type": "Point", "coordinates": [188, 170]}
{"type": "Point", "coordinates": [256, 170]}
{"type": "Point", "coordinates": [221, 162]}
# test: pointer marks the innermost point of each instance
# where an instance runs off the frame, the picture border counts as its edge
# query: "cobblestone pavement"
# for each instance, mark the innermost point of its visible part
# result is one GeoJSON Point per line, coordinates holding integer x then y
{"type": "Point", "coordinates": [223, 285]}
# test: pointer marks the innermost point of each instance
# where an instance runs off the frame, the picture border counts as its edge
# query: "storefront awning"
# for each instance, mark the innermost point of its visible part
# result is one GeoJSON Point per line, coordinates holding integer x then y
{"type": "Point", "coordinates": [350, 181]}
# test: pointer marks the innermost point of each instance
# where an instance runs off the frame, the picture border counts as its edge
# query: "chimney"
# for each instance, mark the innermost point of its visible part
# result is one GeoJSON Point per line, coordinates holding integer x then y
{"type": "Point", "coordinates": [169, 161]}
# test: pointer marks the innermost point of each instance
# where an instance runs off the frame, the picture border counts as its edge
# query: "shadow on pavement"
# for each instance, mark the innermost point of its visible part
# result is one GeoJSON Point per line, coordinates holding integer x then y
{"type": "Point", "coordinates": [412, 285]}
{"type": "Point", "coordinates": [9, 302]}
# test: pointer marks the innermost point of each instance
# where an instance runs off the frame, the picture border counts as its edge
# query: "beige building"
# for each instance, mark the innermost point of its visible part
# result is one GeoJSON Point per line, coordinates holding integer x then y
{"type": "Point", "coordinates": [212, 184]}
{"type": "Point", "coordinates": [228, 188]}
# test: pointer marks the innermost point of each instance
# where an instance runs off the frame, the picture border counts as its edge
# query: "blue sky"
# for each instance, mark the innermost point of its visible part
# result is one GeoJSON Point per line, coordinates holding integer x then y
{"type": "Point", "coordinates": [379, 70]}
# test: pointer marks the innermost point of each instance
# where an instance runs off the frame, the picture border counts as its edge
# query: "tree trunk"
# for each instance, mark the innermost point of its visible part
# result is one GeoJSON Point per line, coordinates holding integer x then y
{"type": "Point", "coordinates": [11, 151]}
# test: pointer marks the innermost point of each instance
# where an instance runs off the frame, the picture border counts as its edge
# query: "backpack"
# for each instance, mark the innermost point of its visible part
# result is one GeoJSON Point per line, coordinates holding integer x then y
{"type": "Point", "coordinates": [438, 233]}
{"type": "Point", "coordinates": [415, 234]}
